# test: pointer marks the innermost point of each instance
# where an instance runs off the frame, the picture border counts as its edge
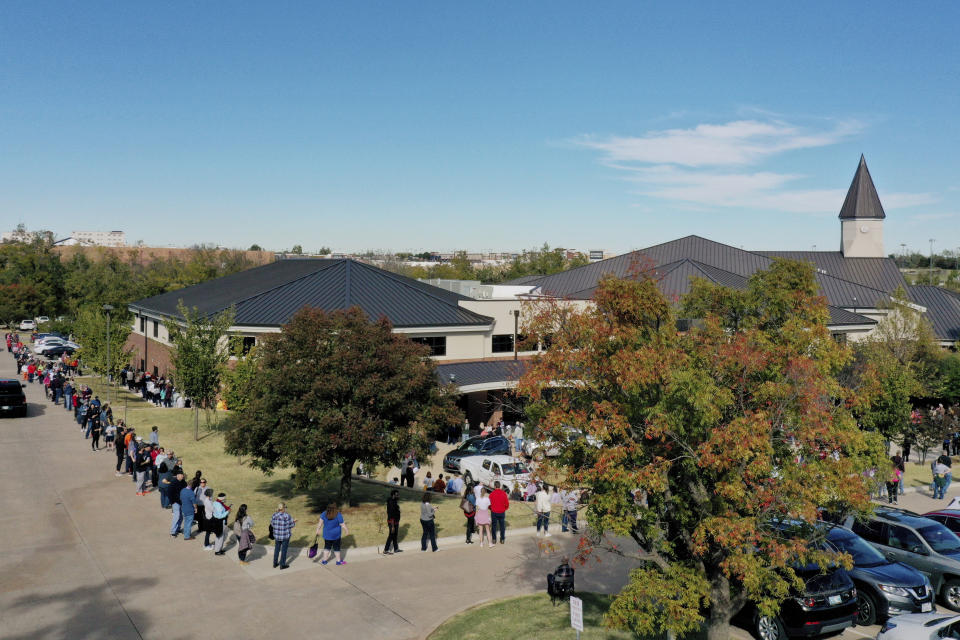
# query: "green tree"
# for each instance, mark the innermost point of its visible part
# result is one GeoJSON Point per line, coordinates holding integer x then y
{"type": "Point", "coordinates": [34, 264]}
{"type": "Point", "coordinates": [200, 349]}
{"type": "Point", "coordinates": [334, 389]}
{"type": "Point", "coordinates": [255, 247]}
{"type": "Point", "coordinates": [950, 378]}
{"type": "Point", "coordinates": [542, 261]}
{"type": "Point", "coordinates": [708, 437]}
{"type": "Point", "coordinates": [18, 302]}
{"type": "Point", "coordinates": [297, 249]}
{"type": "Point", "coordinates": [238, 375]}
{"type": "Point", "coordinates": [897, 363]}
{"type": "Point", "coordinates": [90, 330]}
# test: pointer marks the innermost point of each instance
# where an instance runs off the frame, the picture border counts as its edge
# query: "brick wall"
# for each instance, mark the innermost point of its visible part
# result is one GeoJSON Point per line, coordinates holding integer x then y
{"type": "Point", "coordinates": [153, 353]}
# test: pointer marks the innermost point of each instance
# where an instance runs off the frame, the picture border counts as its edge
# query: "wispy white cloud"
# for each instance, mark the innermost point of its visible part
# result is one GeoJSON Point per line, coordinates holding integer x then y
{"type": "Point", "coordinates": [740, 142]}
{"type": "Point", "coordinates": [708, 165]}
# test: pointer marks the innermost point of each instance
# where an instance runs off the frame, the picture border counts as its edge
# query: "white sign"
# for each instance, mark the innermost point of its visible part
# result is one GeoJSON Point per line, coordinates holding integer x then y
{"type": "Point", "coordinates": [576, 613]}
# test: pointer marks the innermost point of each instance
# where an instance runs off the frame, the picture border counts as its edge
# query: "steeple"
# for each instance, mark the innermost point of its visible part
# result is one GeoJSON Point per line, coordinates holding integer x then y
{"type": "Point", "coordinates": [862, 200]}
{"type": "Point", "coordinates": [861, 217]}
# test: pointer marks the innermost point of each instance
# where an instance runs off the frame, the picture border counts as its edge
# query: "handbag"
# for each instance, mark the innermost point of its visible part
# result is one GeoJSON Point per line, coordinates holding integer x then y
{"type": "Point", "coordinates": [466, 506]}
{"type": "Point", "coordinates": [270, 532]}
{"type": "Point", "coordinates": [251, 538]}
{"type": "Point", "coordinates": [313, 548]}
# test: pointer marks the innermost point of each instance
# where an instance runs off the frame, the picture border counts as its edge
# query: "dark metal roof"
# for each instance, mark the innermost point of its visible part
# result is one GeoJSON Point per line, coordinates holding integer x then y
{"type": "Point", "coordinates": [943, 310]}
{"type": "Point", "coordinates": [862, 200]}
{"type": "Point", "coordinates": [676, 261]}
{"type": "Point", "coordinates": [270, 295]}
{"type": "Point", "coordinates": [840, 317]}
{"type": "Point", "coordinates": [878, 273]}
{"type": "Point", "coordinates": [490, 371]}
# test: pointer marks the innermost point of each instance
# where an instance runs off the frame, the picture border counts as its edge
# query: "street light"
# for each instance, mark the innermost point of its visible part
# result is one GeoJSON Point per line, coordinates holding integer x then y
{"type": "Point", "coordinates": [108, 309]}
{"type": "Point", "coordinates": [932, 240]}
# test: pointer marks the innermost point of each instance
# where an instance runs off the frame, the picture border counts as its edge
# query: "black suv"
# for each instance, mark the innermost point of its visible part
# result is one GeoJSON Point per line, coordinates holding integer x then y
{"type": "Point", "coordinates": [491, 446]}
{"type": "Point", "coordinates": [922, 543]}
{"type": "Point", "coordinates": [884, 588]}
{"type": "Point", "coordinates": [12, 399]}
{"type": "Point", "coordinates": [828, 604]}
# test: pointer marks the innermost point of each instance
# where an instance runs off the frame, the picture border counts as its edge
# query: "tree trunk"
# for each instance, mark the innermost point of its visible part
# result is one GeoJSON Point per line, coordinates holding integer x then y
{"type": "Point", "coordinates": [721, 609]}
{"type": "Point", "coordinates": [346, 479]}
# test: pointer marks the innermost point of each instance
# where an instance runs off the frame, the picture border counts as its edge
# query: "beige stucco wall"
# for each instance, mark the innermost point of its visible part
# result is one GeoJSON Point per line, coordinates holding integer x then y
{"type": "Point", "coordinates": [862, 238]}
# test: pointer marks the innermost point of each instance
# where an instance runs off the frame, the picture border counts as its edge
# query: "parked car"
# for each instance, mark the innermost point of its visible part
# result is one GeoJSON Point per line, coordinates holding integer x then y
{"type": "Point", "coordinates": [921, 626]}
{"type": "Point", "coordinates": [947, 517]}
{"type": "Point", "coordinates": [884, 588]}
{"type": "Point", "coordinates": [56, 352]}
{"type": "Point", "coordinates": [488, 469]}
{"type": "Point", "coordinates": [43, 345]}
{"type": "Point", "coordinates": [539, 449]}
{"type": "Point", "coordinates": [922, 543]}
{"type": "Point", "coordinates": [827, 605]}
{"type": "Point", "coordinates": [13, 401]}
{"type": "Point", "coordinates": [41, 319]}
{"type": "Point", "coordinates": [52, 334]}
{"type": "Point", "coordinates": [27, 325]}
{"type": "Point", "coordinates": [490, 446]}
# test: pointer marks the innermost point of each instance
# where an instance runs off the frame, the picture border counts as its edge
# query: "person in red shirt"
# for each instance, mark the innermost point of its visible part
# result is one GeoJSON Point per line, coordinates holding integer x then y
{"type": "Point", "coordinates": [499, 503]}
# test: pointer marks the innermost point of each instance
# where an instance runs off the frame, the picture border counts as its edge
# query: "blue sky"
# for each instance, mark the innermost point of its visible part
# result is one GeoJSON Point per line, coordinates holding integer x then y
{"type": "Point", "coordinates": [483, 126]}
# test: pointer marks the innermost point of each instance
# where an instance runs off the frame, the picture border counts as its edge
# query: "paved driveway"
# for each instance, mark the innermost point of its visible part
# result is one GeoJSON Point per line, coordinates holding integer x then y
{"type": "Point", "coordinates": [83, 557]}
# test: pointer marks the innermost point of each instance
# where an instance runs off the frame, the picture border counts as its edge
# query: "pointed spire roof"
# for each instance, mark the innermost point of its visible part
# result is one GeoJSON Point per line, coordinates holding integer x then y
{"type": "Point", "coordinates": [862, 200]}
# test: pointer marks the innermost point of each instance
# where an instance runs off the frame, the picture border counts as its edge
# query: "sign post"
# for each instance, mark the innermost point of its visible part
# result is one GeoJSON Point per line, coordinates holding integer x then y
{"type": "Point", "coordinates": [576, 614]}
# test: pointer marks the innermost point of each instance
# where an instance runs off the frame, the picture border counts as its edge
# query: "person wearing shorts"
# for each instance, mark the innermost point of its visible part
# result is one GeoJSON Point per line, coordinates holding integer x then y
{"type": "Point", "coordinates": [332, 527]}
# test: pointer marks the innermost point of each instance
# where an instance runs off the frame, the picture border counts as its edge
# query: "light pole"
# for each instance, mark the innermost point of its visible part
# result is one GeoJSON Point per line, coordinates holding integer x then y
{"type": "Point", "coordinates": [108, 309]}
{"type": "Point", "coordinates": [931, 259]}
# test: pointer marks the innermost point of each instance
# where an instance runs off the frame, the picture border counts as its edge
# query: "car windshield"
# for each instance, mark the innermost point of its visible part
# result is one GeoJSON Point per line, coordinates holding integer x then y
{"type": "Point", "coordinates": [514, 468]}
{"type": "Point", "coordinates": [470, 447]}
{"type": "Point", "coordinates": [940, 539]}
{"type": "Point", "coordinates": [864, 555]}
{"type": "Point", "coordinates": [10, 387]}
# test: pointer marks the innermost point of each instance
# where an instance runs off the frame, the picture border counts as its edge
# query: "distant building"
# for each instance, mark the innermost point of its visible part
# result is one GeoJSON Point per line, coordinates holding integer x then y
{"type": "Point", "coordinates": [100, 238]}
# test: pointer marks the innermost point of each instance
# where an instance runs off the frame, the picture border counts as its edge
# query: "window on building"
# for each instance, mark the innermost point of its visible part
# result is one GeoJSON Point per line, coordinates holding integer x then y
{"type": "Point", "coordinates": [249, 342]}
{"type": "Point", "coordinates": [143, 325]}
{"type": "Point", "coordinates": [143, 365]}
{"type": "Point", "coordinates": [503, 343]}
{"type": "Point", "coordinates": [437, 344]}
{"type": "Point", "coordinates": [156, 329]}
{"type": "Point", "coordinates": [156, 372]}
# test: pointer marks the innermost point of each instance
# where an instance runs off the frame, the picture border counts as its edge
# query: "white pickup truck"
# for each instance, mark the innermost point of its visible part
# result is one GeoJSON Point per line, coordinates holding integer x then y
{"type": "Point", "coordinates": [488, 469]}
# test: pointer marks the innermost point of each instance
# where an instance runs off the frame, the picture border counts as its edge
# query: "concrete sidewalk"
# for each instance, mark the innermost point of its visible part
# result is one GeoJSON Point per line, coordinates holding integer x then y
{"type": "Point", "coordinates": [85, 558]}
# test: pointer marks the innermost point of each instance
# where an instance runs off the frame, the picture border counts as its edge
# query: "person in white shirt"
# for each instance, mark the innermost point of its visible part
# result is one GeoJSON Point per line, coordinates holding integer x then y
{"type": "Point", "coordinates": [518, 439]}
{"type": "Point", "coordinates": [543, 511]}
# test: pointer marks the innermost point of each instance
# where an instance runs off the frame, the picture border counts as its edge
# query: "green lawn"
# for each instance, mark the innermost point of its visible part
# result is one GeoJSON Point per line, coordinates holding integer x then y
{"type": "Point", "coordinates": [530, 618]}
{"type": "Point", "coordinates": [918, 474]}
{"type": "Point", "coordinates": [243, 484]}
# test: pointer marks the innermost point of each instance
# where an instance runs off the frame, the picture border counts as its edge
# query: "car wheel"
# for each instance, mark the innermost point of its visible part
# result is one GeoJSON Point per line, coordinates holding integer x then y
{"type": "Point", "coordinates": [769, 628]}
{"type": "Point", "coordinates": [951, 594]}
{"type": "Point", "coordinates": [468, 477]}
{"type": "Point", "coordinates": [866, 609]}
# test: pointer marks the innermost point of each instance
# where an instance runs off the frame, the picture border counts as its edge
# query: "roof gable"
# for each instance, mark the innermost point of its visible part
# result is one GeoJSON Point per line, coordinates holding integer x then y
{"type": "Point", "coordinates": [329, 285]}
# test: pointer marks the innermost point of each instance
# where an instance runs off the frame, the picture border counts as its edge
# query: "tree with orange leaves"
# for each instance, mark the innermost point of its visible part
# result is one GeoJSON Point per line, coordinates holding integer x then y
{"type": "Point", "coordinates": [727, 428]}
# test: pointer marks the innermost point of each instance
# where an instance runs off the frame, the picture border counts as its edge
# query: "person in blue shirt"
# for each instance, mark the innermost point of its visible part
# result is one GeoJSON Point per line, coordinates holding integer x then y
{"type": "Point", "coordinates": [188, 508]}
{"type": "Point", "coordinates": [332, 527]}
